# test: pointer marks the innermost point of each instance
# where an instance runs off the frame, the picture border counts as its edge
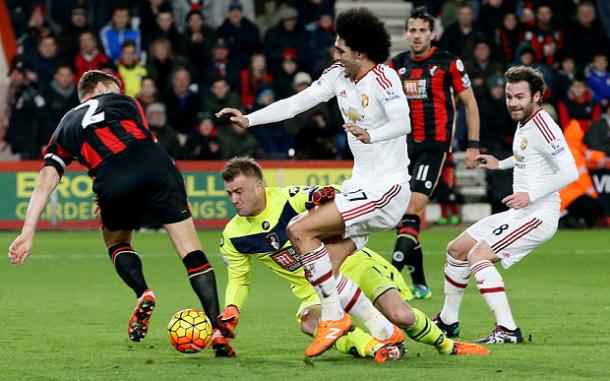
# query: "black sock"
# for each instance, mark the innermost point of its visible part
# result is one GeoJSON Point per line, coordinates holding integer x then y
{"type": "Point", "coordinates": [407, 250]}
{"type": "Point", "coordinates": [129, 266]}
{"type": "Point", "coordinates": [203, 281]}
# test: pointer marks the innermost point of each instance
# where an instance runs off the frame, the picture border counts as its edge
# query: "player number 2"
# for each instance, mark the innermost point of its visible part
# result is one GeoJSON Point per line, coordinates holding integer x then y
{"type": "Point", "coordinates": [500, 229]}
{"type": "Point", "coordinates": [90, 116]}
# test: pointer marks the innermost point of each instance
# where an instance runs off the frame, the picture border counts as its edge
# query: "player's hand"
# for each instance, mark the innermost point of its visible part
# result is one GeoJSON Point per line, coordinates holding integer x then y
{"type": "Point", "coordinates": [488, 162]}
{"type": "Point", "coordinates": [20, 249]}
{"type": "Point", "coordinates": [517, 200]}
{"type": "Point", "coordinates": [359, 132]}
{"type": "Point", "coordinates": [471, 157]}
{"type": "Point", "coordinates": [235, 116]}
{"type": "Point", "coordinates": [319, 196]}
{"type": "Point", "coordinates": [227, 321]}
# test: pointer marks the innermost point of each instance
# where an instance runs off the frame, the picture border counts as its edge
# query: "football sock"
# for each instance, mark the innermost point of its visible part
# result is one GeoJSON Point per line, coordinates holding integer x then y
{"type": "Point", "coordinates": [457, 273]}
{"type": "Point", "coordinates": [407, 250]}
{"type": "Point", "coordinates": [426, 332]}
{"type": "Point", "coordinates": [355, 303]}
{"type": "Point", "coordinates": [202, 278]}
{"type": "Point", "coordinates": [357, 343]}
{"type": "Point", "coordinates": [128, 265]}
{"type": "Point", "coordinates": [454, 209]}
{"type": "Point", "coordinates": [491, 286]}
{"type": "Point", "coordinates": [319, 272]}
{"type": "Point", "coordinates": [444, 209]}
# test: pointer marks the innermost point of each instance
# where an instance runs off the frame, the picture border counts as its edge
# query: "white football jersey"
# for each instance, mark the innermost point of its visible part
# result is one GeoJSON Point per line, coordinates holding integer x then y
{"type": "Point", "coordinates": [539, 151]}
{"type": "Point", "coordinates": [367, 104]}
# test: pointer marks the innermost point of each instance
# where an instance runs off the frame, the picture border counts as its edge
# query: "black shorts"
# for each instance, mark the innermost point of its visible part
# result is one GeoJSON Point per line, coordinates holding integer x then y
{"type": "Point", "coordinates": [140, 182]}
{"type": "Point", "coordinates": [425, 168]}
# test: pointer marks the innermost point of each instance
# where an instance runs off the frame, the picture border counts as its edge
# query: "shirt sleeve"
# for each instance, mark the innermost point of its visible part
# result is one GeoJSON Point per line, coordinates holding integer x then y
{"type": "Point", "coordinates": [396, 108]}
{"type": "Point", "coordinates": [238, 274]}
{"type": "Point", "coordinates": [55, 155]}
{"type": "Point", "coordinates": [554, 147]}
{"type": "Point", "coordinates": [320, 91]}
{"type": "Point", "coordinates": [459, 77]}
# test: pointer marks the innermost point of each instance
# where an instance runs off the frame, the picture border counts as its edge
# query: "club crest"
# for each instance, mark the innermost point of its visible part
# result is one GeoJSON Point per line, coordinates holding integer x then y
{"type": "Point", "coordinates": [273, 240]}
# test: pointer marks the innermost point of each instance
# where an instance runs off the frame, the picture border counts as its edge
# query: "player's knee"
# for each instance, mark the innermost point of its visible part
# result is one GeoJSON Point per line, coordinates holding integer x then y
{"type": "Point", "coordinates": [457, 250]}
{"type": "Point", "coordinates": [296, 232]}
{"type": "Point", "coordinates": [479, 252]}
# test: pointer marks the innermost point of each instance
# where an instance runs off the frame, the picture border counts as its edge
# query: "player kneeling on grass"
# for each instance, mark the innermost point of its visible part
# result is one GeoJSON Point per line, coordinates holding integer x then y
{"type": "Point", "coordinates": [259, 230]}
{"type": "Point", "coordinates": [133, 175]}
{"type": "Point", "coordinates": [542, 165]}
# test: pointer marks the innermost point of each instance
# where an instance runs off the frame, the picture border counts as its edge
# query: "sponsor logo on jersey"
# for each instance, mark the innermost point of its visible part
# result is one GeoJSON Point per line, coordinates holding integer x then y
{"type": "Point", "coordinates": [415, 88]}
{"type": "Point", "coordinates": [365, 100]}
{"type": "Point", "coordinates": [266, 225]}
{"type": "Point", "coordinates": [343, 93]}
{"type": "Point", "coordinates": [352, 114]}
{"type": "Point", "coordinates": [557, 147]}
{"type": "Point", "coordinates": [293, 191]}
{"type": "Point", "coordinates": [523, 144]}
{"type": "Point", "coordinates": [287, 259]}
{"type": "Point", "coordinates": [390, 96]}
{"type": "Point", "coordinates": [273, 240]}
{"type": "Point", "coordinates": [459, 64]}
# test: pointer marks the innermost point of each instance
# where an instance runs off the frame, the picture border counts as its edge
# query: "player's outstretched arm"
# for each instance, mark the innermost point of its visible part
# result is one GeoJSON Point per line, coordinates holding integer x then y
{"type": "Point", "coordinates": [20, 249]}
{"type": "Point", "coordinates": [472, 122]}
{"type": "Point", "coordinates": [235, 116]}
{"type": "Point", "coordinates": [488, 162]}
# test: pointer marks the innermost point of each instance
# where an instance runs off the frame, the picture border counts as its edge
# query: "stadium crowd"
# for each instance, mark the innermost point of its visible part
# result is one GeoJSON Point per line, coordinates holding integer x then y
{"type": "Point", "coordinates": [185, 60]}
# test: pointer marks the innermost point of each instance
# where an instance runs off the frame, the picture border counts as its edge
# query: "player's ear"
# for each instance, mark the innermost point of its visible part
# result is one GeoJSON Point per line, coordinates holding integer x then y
{"type": "Point", "coordinates": [537, 97]}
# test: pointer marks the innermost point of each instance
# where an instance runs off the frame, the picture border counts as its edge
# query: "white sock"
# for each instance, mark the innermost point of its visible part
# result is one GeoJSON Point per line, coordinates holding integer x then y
{"type": "Point", "coordinates": [357, 304]}
{"type": "Point", "coordinates": [456, 279]}
{"type": "Point", "coordinates": [319, 272]}
{"type": "Point", "coordinates": [491, 286]}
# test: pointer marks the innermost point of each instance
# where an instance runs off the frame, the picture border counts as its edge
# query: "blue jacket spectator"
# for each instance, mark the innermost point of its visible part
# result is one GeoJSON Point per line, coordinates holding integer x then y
{"type": "Point", "coordinates": [598, 79]}
{"type": "Point", "coordinates": [117, 31]}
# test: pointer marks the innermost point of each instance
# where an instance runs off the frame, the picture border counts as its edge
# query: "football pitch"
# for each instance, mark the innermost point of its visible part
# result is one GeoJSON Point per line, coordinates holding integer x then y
{"type": "Point", "coordinates": [63, 316]}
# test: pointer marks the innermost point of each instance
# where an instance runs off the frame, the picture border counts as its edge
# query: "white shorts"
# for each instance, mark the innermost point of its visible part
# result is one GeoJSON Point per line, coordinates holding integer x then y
{"type": "Point", "coordinates": [371, 208]}
{"type": "Point", "coordinates": [514, 233]}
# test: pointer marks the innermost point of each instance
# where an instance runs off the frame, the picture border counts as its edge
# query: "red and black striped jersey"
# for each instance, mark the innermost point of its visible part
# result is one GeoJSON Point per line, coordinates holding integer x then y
{"type": "Point", "coordinates": [96, 130]}
{"type": "Point", "coordinates": [430, 84]}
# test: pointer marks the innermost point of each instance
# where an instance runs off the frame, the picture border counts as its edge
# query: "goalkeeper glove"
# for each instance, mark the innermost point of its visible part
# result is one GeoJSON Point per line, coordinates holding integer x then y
{"type": "Point", "coordinates": [227, 320]}
{"type": "Point", "coordinates": [319, 196]}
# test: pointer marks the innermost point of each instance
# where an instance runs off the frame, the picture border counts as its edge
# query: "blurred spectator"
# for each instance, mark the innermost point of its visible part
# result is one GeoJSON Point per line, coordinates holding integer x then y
{"type": "Point", "coordinates": [286, 34]}
{"type": "Point", "coordinates": [130, 70]}
{"type": "Point", "coordinates": [223, 67]}
{"type": "Point", "coordinates": [196, 44]}
{"type": "Point", "coordinates": [272, 137]}
{"type": "Point", "coordinates": [282, 83]}
{"type": "Point", "coordinates": [220, 97]}
{"type": "Point", "coordinates": [216, 10]}
{"type": "Point", "coordinates": [240, 34]}
{"type": "Point", "coordinates": [598, 136]}
{"type": "Point", "coordinates": [118, 31]}
{"type": "Point", "coordinates": [603, 9]}
{"type": "Point", "coordinates": [182, 8]}
{"type": "Point", "coordinates": [238, 142]}
{"type": "Point", "coordinates": [316, 140]}
{"type": "Point", "coordinates": [164, 28]}
{"type": "Point", "coordinates": [508, 36]}
{"type": "Point", "coordinates": [68, 38]}
{"type": "Point", "coordinates": [578, 105]}
{"type": "Point", "coordinates": [562, 78]}
{"type": "Point", "coordinates": [579, 200]}
{"type": "Point", "coordinates": [545, 38]}
{"type": "Point", "coordinates": [491, 14]}
{"type": "Point", "coordinates": [311, 11]}
{"type": "Point", "coordinates": [166, 135]}
{"type": "Point", "coordinates": [598, 79]}
{"type": "Point", "coordinates": [497, 128]}
{"type": "Point", "coordinates": [320, 39]}
{"type": "Point", "coordinates": [294, 125]}
{"type": "Point", "coordinates": [182, 104]}
{"type": "Point", "coordinates": [148, 92]}
{"type": "Point", "coordinates": [162, 63]}
{"type": "Point", "coordinates": [28, 119]}
{"type": "Point", "coordinates": [253, 79]}
{"type": "Point", "coordinates": [37, 28]}
{"type": "Point", "coordinates": [89, 57]}
{"type": "Point", "coordinates": [147, 12]}
{"type": "Point", "coordinates": [460, 37]}
{"type": "Point", "coordinates": [61, 95]}
{"type": "Point", "coordinates": [585, 37]}
{"type": "Point", "coordinates": [204, 143]}
{"type": "Point", "coordinates": [45, 61]}
{"type": "Point", "coordinates": [481, 67]}
{"type": "Point", "coordinates": [19, 13]}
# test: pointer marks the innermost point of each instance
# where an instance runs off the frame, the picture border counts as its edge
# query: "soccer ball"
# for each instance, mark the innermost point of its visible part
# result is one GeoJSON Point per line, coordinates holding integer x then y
{"type": "Point", "coordinates": [189, 331]}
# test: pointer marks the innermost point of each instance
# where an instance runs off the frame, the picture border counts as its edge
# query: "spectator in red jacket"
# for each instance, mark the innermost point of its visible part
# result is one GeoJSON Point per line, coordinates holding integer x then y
{"type": "Point", "coordinates": [253, 78]}
{"type": "Point", "coordinates": [579, 105]}
{"type": "Point", "coordinates": [89, 57]}
{"type": "Point", "coordinates": [545, 38]}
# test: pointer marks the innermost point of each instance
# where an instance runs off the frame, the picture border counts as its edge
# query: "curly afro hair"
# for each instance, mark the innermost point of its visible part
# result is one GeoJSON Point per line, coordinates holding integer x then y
{"type": "Point", "coordinates": [363, 32]}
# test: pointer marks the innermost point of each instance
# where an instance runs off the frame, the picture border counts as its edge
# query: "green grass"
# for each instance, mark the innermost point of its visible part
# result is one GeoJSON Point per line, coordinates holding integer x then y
{"type": "Point", "coordinates": [63, 316]}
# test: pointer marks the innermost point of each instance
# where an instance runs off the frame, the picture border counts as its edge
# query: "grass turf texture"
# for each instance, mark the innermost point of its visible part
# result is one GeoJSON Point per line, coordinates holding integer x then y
{"type": "Point", "coordinates": [63, 316]}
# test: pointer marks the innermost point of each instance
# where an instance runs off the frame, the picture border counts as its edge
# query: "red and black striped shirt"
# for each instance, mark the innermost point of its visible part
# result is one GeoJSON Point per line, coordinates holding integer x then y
{"type": "Point", "coordinates": [96, 130]}
{"type": "Point", "coordinates": [430, 84]}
